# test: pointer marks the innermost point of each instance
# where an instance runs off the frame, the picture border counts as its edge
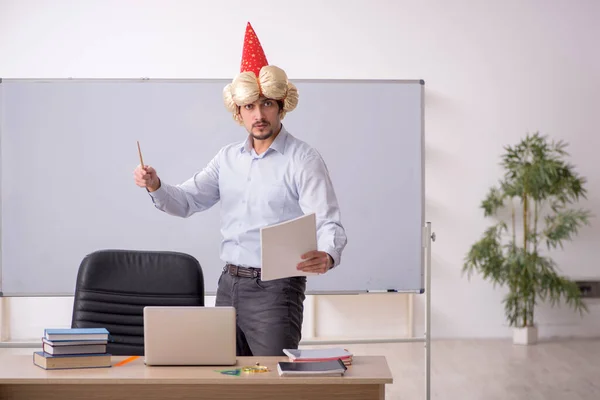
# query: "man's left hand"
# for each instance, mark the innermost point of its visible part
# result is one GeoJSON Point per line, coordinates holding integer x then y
{"type": "Point", "coordinates": [316, 262]}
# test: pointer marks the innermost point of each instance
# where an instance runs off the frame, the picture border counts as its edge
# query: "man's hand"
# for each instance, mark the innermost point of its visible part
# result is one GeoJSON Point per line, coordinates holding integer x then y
{"type": "Point", "coordinates": [146, 177]}
{"type": "Point", "coordinates": [315, 261]}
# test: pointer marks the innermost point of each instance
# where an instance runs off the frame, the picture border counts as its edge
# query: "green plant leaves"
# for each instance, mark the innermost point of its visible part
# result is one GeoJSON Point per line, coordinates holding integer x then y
{"type": "Point", "coordinates": [535, 173]}
{"type": "Point", "coordinates": [493, 201]}
{"type": "Point", "coordinates": [535, 167]}
{"type": "Point", "coordinates": [486, 256]}
{"type": "Point", "coordinates": [563, 225]}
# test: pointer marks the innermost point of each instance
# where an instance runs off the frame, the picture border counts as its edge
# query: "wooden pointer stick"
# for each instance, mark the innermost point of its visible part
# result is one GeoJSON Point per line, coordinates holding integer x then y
{"type": "Point", "coordinates": [140, 153]}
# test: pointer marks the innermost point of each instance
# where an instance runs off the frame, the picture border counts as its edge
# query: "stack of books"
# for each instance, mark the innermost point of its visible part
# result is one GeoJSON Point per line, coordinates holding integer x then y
{"type": "Point", "coordinates": [73, 348]}
{"type": "Point", "coordinates": [316, 355]}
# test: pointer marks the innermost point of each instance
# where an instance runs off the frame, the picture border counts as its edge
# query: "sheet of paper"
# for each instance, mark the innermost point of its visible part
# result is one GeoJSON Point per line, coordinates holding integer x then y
{"type": "Point", "coordinates": [282, 246]}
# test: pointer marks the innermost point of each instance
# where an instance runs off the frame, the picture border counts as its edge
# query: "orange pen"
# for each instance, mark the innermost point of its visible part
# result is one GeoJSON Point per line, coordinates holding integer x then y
{"type": "Point", "coordinates": [125, 361]}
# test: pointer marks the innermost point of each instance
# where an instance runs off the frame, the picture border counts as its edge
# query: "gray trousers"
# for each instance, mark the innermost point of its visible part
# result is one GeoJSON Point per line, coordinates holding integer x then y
{"type": "Point", "coordinates": [268, 313]}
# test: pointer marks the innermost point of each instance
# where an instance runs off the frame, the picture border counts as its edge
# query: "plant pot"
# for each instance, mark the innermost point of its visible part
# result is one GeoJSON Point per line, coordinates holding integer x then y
{"type": "Point", "coordinates": [526, 335]}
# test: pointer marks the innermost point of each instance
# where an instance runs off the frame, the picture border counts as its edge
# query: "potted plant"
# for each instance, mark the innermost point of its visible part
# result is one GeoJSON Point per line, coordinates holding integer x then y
{"type": "Point", "coordinates": [536, 197]}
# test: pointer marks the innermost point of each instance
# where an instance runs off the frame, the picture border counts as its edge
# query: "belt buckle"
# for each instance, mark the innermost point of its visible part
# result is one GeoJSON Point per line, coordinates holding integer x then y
{"type": "Point", "coordinates": [233, 270]}
{"type": "Point", "coordinates": [254, 273]}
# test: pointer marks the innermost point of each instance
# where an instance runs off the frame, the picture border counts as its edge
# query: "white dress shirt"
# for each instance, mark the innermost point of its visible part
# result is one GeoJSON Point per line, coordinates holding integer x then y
{"type": "Point", "coordinates": [288, 180]}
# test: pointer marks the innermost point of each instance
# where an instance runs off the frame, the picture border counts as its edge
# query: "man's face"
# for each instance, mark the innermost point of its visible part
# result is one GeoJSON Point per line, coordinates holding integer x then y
{"type": "Point", "coordinates": [261, 118]}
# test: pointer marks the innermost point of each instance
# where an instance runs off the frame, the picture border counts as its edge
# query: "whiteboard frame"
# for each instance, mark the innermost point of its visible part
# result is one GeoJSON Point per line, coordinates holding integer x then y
{"type": "Point", "coordinates": [1, 119]}
{"type": "Point", "coordinates": [143, 80]}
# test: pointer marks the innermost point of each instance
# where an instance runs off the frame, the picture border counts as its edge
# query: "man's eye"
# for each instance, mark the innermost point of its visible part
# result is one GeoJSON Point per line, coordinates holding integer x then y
{"type": "Point", "coordinates": [268, 103]}
{"type": "Point", "coordinates": [248, 106]}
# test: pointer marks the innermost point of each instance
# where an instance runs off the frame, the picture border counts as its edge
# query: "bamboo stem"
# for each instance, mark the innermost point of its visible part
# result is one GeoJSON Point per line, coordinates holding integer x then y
{"type": "Point", "coordinates": [525, 240]}
{"type": "Point", "coordinates": [514, 233]}
{"type": "Point", "coordinates": [535, 226]}
{"type": "Point", "coordinates": [525, 220]}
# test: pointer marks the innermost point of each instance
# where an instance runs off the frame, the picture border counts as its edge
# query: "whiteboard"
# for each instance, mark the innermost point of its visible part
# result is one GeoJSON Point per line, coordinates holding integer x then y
{"type": "Point", "coordinates": [68, 150]}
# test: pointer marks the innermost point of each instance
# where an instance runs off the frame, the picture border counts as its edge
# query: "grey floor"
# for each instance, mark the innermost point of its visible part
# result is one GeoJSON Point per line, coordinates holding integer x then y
{"type": "Point", "coordinates": [492, 369]}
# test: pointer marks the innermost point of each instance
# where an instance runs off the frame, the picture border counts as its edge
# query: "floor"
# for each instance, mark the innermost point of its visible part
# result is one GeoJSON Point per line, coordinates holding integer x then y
{"type": "Point", "coordinates": [493, 369]}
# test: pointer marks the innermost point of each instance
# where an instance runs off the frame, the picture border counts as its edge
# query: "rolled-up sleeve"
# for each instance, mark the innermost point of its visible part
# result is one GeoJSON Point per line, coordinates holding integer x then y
{"type": "Point", "coordinates": [316, 194]}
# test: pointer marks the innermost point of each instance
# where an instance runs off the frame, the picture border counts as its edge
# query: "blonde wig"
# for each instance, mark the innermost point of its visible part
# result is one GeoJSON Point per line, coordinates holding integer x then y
{"type": "Point", "coordinates": [272, 83]}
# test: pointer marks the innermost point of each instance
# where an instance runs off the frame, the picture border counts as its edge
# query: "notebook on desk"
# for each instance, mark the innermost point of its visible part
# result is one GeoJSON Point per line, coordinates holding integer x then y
{"type": "Point", "coordinates": [311, 368]}
{"type": "Point", "coordinates": [189, 336]}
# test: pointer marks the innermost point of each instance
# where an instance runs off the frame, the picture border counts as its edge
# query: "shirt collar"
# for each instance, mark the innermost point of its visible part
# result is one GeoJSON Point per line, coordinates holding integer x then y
{"type": "Point", "coordinates": [277, 145]}
{"type": "Point", "coordinates": [246, 145]}
{"type": "Point", "coordinates": [279, 142]}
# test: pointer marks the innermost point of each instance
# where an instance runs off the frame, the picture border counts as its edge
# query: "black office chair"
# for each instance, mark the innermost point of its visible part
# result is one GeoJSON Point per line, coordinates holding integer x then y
{"type": "Point", "coordinates": [114, 286]}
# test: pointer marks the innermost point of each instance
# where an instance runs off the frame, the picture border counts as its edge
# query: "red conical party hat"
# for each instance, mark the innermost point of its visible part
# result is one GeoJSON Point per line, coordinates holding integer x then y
{"type": "Point", "coordinates": [253, 56]}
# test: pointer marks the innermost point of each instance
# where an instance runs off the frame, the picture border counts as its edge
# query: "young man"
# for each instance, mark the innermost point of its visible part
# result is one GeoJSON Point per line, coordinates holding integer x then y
{"type": "Point", "coordinates": [269, 178]}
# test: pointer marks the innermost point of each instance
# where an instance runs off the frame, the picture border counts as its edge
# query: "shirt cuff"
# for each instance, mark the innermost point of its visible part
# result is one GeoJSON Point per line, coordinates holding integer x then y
{"type": "Point", "coordinates": [334, 254]}
{"type": "Point", "coordinates": [159, 196]}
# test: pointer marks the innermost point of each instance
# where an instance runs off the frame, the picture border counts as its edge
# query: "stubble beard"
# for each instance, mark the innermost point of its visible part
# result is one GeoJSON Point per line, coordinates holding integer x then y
{"type": "Point", "coordinates": [265, 135]}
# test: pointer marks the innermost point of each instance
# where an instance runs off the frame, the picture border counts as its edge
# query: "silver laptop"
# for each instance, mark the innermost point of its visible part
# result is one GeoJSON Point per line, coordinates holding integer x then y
{"type": "Point", "coordinates": [189, 335]}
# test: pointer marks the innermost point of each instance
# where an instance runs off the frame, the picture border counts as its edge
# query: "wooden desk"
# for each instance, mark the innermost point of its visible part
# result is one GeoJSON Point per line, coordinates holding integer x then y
{"type": "Point", "coordinates": [21, 379]}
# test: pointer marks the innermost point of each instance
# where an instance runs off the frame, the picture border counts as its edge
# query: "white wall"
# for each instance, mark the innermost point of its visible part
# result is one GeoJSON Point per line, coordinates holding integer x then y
{"type": "Point", "coordinates": [25, 318]}
{"type": "Point", "coordinates": [494, 70]}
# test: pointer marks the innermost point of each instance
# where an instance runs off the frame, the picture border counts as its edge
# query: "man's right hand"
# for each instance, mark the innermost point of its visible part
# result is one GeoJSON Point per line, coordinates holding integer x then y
{"type": "Point", "coordinates": [146, 177]}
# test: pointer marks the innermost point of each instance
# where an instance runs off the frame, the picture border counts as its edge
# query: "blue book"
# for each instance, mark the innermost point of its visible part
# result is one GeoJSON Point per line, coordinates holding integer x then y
{"type": "Point", "coordinates": [76, 334]}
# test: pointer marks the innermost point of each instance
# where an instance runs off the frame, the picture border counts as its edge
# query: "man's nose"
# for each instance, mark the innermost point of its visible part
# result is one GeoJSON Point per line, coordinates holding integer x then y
{"type": "Point", "coordinates": [259, 113]}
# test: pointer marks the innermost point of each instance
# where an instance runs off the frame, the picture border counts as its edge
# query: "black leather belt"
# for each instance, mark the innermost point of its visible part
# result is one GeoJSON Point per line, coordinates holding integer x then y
{"type": "Point", "coordinates": [236, 270]}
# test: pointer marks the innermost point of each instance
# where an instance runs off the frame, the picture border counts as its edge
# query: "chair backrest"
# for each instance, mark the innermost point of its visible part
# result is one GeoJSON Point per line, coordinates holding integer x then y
{"type": "Point", "coordinates": [114, 286]}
